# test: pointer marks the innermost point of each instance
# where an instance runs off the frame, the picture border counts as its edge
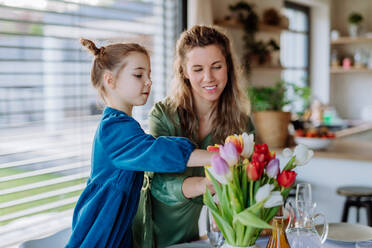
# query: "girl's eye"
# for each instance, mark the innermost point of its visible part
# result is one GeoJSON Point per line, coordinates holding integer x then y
{"type": "Point", "coordinates": [197, 70]}
{"type": "Point", "coordinates": [138, 75]}
{"type": "Point", "coordinates": [217, 67]}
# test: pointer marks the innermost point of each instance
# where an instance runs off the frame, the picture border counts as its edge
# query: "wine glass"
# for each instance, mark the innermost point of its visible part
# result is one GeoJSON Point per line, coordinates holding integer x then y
{"type": "Point", "coordinates": [363, 244]}
{"type": "Point", "coordinates": [303, 192]}
{"type": "Point", "coordinates": [214, 234]}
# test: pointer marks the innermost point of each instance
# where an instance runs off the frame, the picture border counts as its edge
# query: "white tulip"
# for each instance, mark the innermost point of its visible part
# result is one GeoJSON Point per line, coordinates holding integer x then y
{"type": "Point", "coordinates": [287, 153]}
{"type": "Point", "coordinates": [276, 199]}
{"type": "Point", "coordinates": [248, 145]}
{"type": "Point", "coordinates": [303, 154]}
{"type": "Point", "coordinates": [263, 192]}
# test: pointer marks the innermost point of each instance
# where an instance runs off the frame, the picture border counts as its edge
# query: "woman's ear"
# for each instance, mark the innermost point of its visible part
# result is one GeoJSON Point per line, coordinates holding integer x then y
{"type": "Point", "coordinates": [109, 80]}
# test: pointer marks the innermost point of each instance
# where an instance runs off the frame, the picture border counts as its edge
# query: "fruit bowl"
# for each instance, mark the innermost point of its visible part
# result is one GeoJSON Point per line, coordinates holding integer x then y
{"type": "Point", "coordinates": [314, 143]}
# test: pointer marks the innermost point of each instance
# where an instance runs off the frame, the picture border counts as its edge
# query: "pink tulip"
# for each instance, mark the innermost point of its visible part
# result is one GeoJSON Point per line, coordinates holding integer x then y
{"type": "Point", "coordinates": [229, 153]}
{"type": "Point", "coordinates": [220, 169]}
{"type": "Point", "coordinates": [219, 165]}
{"type": "Point", "coordinates": [272, 168]}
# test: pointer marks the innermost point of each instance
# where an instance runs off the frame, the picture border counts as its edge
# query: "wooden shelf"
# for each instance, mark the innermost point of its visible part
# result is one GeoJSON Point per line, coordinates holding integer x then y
{"type": "Point", "coordinates": [266, 68]}
{"type": "Point", "coordinates": [351, 40]}
{"type": "Point", "coordinates": [351, 70]}
{"type": "Point", "coordinates": [233, 23]}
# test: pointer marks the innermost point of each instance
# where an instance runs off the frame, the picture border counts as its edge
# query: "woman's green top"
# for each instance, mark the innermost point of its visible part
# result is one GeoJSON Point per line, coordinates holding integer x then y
{"type": "Point", "coordinates": [175, 217]}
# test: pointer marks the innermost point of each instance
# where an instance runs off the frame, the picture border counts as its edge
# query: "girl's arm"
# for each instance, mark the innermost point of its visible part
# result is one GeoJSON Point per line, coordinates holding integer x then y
{"type": "Point", "coordinates": [199, 158]}
{"type": "Point", "coordinates": [130, 148]}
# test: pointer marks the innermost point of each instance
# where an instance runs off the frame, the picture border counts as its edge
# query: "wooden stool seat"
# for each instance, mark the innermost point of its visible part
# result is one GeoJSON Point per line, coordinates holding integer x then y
{"type": "Point", "coordinates": [357, 196]}
{"type": "Point", "coordinates": [356, 191]}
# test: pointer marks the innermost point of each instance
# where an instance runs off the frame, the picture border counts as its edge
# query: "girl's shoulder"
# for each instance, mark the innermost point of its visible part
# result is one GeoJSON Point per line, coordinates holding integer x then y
{"type": "Point", "coordinates": [112, 118]}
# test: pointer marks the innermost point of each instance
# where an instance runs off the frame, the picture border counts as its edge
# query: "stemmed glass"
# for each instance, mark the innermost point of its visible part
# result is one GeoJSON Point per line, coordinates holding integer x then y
{"type": "Point", "coordinates": [214, 234]}
{"type": "Point", "coordinates": [303, 192]}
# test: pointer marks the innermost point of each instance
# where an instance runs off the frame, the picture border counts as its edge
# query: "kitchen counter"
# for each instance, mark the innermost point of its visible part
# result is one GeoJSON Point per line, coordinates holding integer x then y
{"type": "Point", "coordinates": [342, 148]}
{"type": "Point", "coordinates": [355, 146]}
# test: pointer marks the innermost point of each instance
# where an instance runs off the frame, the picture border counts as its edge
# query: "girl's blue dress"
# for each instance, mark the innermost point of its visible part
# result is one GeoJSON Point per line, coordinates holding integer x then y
{"type": "Point", "coordinates": [121, 152]}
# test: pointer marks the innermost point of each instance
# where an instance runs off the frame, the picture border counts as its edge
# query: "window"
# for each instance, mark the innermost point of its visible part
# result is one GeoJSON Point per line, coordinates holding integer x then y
{"type": "Point", "coordinates": [48, 108]}
{"type": "Point", "coordinates": [295, 47]}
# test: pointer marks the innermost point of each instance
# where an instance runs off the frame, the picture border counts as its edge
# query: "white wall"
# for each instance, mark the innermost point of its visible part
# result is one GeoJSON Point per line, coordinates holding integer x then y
{"type": "Point", "coordinates": [351, 92]}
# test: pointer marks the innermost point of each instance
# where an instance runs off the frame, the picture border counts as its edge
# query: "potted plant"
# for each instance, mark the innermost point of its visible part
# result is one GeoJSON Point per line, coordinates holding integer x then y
{"type": "Point", "coordinates": [268, 105]}
{"type": "Point", "coordinates": [259, 52]}
{"type": "Point", "coordinates": [355, 19]}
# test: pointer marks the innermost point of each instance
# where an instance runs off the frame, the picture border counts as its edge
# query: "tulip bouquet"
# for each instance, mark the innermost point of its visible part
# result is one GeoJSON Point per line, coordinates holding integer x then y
{"type": "Point", "coordinates": [250, 188]}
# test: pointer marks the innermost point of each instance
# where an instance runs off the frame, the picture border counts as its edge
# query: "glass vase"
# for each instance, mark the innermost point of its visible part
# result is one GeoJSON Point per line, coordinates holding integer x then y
{"type": "Point", "coordinates": [232, 246]}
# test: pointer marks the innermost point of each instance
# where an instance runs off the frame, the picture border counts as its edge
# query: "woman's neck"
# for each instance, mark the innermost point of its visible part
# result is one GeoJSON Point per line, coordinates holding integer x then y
{"type": "Point", "coordinates": [204, 108]}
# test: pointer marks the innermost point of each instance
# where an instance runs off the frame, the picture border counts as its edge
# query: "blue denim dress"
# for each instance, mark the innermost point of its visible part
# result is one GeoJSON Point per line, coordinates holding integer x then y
{"type": "Point", "coordinates": [121, 152]}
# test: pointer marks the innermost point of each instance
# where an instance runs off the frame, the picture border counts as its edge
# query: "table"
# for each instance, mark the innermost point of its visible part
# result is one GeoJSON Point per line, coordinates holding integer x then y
{"type": "Point", "coordinates": [262, 244]}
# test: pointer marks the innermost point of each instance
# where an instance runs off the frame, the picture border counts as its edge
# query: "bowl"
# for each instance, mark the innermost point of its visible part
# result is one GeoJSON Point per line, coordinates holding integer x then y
{"type": "Point", "coordinates": [314, 143]}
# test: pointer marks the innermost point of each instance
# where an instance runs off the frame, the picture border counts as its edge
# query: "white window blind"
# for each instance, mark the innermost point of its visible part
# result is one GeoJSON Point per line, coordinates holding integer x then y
{"type": "Point", "coordinates": [48, 108]}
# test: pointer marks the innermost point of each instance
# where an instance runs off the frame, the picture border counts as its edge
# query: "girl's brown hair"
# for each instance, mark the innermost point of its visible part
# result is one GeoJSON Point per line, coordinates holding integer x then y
{"type": "Point", "coordinates": [108, 58]}
{"type": "Point", "coordinates": [231, 113]}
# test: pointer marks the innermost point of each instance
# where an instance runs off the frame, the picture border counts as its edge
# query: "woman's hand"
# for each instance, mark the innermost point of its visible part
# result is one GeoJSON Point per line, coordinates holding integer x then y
{"type": "Point", "coordinates": [195, 186]}
{"type": "Point", "coordinates": [208, 183]}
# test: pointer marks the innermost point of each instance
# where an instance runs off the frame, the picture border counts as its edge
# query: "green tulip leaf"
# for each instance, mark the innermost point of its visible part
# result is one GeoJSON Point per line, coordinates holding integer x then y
{"type": "Point", "coordinates": [248, 218]}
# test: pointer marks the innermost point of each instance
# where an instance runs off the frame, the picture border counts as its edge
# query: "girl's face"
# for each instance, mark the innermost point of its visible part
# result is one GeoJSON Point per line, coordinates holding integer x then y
{"type": "Point", "coordinates": [133, 83]}
{"type": "Point", "coordinates": [206, 69]}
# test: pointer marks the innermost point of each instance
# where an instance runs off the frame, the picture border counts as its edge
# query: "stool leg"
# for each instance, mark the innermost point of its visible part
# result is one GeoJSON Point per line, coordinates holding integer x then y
{"type": "Point", "coordinates": [369, 213]}
{"type": "Point", "coordinates": [358, 205]}
{"type": "Point", "coordinates": [346, 210]}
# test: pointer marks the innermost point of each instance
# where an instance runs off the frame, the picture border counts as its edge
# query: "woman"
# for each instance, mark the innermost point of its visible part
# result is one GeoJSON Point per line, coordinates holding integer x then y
{"type": "Point", "coordinates": [206, 105]}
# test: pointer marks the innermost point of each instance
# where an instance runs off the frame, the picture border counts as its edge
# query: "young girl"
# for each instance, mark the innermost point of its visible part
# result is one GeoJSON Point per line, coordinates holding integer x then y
{"type": "Point", "coordinates": [121, 150]}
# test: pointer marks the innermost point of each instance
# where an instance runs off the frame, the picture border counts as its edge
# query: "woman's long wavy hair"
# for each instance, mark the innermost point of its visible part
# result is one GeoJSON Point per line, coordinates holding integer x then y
{"type": "Point", "coordinates": [231, 112]}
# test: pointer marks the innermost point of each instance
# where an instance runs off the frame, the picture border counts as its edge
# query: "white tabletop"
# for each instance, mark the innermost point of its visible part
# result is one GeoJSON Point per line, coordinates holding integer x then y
{"type": "Point", "coordinates": [262, 244]}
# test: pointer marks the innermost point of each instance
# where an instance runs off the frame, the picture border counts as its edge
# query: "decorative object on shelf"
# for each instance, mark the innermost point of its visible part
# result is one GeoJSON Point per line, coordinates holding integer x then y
{"type": "Point", "coordinates": [249, 185]}
{"type": "Point", "coordinates": [278, 238]}
{"type": "Point", "coordinates": [334, 59]}
{"type": "Point", "coordinates": [346, 63]}
{"type": "Point", "coordinates": [335, 34]}
{"type": "Point", "coordinates": [271, 17]}
{"type": "Point", "coordinates": [268, 115]}
{"type": "Point", "coordinates": [355, 20]}
{"type": "Point", "coordinates": [358, 59]}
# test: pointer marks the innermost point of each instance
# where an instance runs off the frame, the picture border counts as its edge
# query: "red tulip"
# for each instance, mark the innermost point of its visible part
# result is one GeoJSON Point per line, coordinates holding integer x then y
{"type": "Point", "coordinates": [214, 148]}
{"type": "Point", "coordinates": [254, 170]}
{"type": "Point", "coordinates": [286, 178]}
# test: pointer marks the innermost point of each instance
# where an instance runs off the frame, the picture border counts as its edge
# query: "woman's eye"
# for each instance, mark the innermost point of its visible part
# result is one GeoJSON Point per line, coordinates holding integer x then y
{"type": "Point", "coordinates": [197, 70]}
{"type": "Point", "coordinates": [138, 75]}
{"type": "Point", "coordinates": [217, 67]}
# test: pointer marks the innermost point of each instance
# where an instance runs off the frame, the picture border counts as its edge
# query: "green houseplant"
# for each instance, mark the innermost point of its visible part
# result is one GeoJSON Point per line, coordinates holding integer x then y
{"type": "Point", "coordinates": [355, 19]}
{"type": "Point", "coordinates": [268, 104]}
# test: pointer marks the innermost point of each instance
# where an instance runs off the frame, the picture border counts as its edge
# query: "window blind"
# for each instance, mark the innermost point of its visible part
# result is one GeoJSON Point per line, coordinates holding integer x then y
{"type": "Point", "coordinates": [49, 110]}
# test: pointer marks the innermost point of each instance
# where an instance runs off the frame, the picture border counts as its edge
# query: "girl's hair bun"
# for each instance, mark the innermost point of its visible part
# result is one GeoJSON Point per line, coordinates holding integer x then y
{"type": "Point", "coordinates": [92, 47]}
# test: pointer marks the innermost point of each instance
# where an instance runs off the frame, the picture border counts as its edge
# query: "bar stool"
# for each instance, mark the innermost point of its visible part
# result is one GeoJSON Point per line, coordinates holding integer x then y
{"type": "Point", "coordinates": [359, 197]}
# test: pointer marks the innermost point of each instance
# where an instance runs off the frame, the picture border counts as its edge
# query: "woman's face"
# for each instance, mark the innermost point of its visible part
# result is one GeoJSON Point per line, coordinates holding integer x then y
{"type": "Point", "coordinates": [206, 69]}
